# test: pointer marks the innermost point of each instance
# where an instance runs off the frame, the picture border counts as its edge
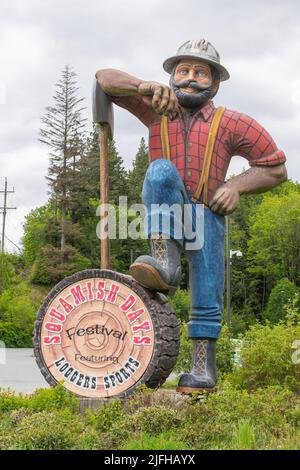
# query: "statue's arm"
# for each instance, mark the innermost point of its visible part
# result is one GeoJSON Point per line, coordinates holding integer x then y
{"type": "Point", "coordinates": [145, 99]}
{"type": "Point", "coordinates": [250, 140]}
{"type": "Point", "coordinates": [255, 180]}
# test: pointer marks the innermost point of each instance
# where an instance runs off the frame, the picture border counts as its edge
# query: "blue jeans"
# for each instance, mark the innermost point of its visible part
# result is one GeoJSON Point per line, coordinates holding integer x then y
{"type": "Point", "coordinates": [163, 185]}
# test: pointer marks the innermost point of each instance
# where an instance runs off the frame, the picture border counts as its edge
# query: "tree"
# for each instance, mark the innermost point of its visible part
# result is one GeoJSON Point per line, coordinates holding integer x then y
{"type": "Point", "coordinates": [274, 246]}
{"type": "Point", "coordinates": [62, 131]}
{"type": "Point", "coordinates": [137, 174]}
{"type": "Point", "coordinates": [35, 232]}
{"type": "Point", "coordinates": [7, 272]}
{"type": "Point", "coordinates": [281, 295]}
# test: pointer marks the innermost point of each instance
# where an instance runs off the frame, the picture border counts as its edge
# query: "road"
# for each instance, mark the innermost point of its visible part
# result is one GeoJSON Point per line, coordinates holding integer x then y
{"type": "Point", "coordinates": [19, 371]}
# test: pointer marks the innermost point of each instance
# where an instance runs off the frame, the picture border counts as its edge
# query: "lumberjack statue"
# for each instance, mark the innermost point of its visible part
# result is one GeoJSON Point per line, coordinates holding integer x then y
{"type": "Point", "coordinates": [190, 147]}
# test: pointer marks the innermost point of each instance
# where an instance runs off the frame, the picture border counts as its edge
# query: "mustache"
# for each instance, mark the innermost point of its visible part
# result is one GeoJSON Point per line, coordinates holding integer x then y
{"type": "Point", "coordinates": [188, 84]}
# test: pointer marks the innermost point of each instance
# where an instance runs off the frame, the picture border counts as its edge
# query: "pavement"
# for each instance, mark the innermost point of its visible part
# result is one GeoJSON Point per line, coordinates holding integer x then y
{"type": "Point", "coordinates": [19, 371]}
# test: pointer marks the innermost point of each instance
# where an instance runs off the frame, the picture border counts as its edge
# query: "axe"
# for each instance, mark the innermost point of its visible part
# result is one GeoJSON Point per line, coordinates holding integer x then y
{"type": "Point", "coordinates": [103, 115]}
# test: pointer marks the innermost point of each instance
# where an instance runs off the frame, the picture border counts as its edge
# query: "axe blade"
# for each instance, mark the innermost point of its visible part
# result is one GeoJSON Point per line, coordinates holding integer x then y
{"type": "Point", "coordinates": [102, 108]}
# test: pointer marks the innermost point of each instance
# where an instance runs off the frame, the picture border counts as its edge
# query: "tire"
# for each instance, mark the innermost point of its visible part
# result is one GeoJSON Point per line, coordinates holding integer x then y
{"type": "Point", "coordinates": [156, 361]}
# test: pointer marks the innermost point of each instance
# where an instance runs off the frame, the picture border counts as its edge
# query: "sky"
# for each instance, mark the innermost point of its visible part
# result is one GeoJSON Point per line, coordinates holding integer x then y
{"type": "Point", "coordinates": [258, 41]}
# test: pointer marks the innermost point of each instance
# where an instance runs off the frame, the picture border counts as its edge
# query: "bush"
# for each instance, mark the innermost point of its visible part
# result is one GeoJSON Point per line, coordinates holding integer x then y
{"type": "Point", "coordinates": [45, 430]}
{"type": "Point", "coordinates": [266, 355]}
{"type": "Point", "coordinates": [164, 441]}
{"type": "Point", "coordinates": [14, 336]}
{"type": "Point", "coordinates": [154, 420]}
{"type": "Point", "coordinates": [18, 308]}
{"type": "Point", "coordinates": [232, 418]}
{"type": "Point", "coordinates": [280, 296]}
{"type": "Point", "coordinates": [107, 416]}
{"type": "Point", "coordinates": [7, 272]}
{"type": "Point", "coordinates": [54, 398]}
{"type": "Point", "coordinates": [44, 399]}
{"type": "Point", "coordinates": [181, 304]}
{"type": "Point", "coordinates": [235, 418]}
{"type": "Point", "coordinates": [10, 401]}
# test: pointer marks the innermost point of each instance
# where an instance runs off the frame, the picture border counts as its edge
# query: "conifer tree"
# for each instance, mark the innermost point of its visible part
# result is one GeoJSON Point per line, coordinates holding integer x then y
{"type": "Point", "coordinates": [62, 132]}
{"type": "Point", "coordinates": [137, 174]}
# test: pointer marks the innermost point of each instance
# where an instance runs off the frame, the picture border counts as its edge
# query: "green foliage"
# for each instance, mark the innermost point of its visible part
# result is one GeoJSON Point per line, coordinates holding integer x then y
{"type": "Point", "coordinates": [14, 336]}
{"type": "Point", "coordinates": [266, 355]}
{"type": "Point", "coordinates": [244, 436]}
{"type": "Point", "coordinates": [275, 238]}
{"type": "Point", "coordinates": [7, 272]}
{"type": "Point", "coordinates": [52, 266]}
{"type": "Point", "coordinates": [108, 415]}
{"type": "Point", "coordinates": [232, 418]}
{"type": "Point", "coordinates": [10, 401]}
{"type": "Point", "coordinates": [225, 351]}
{"type": "Point", "coordinates": [154, 420]}
{"type": "Point", "coordinates": [55, 430]}
{"type": "Point", "coordinates": [280, 296]}
{"type": "Point", "coordinates": [18, 309]}
{"type": "Point", "coordinates": [183, 363]}
{"type": "Point", "coordinates": [137, 174]}
{"type": "Point", "coordinates": [48, 399]}
{"type": "Point", "coordinates": [34, 232]}
{"type": "Point", "coordinates": [181, 304]}
{"type": "Point", "coordinates": [164, 441]}
{"type": "Point", "coordinates": [54, 398]}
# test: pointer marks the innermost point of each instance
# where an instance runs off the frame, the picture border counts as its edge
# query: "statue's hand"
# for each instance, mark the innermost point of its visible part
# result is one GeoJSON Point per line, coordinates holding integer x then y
{"type": "Point", "coordinates": [161, 97]}
{"type": "Point", "coordinates": [225, 200]}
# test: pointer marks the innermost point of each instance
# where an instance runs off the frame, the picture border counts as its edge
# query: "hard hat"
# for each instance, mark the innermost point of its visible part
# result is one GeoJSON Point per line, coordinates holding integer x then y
{"type": "Point", "coordinates": [197, 49]}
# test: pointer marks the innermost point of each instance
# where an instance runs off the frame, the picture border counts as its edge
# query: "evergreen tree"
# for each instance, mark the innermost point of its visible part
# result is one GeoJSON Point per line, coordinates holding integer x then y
{"type": "Point", "coordinates": [137, 174]}
{"type": "Point", "coordinates": [90, 169]}
{"type": "Point", "coordinates": [62, 131]}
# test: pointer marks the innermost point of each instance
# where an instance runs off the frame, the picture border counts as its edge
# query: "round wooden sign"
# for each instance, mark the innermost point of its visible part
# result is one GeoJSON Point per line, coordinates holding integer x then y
{"type": "Point", "coordinates": [102, 334]}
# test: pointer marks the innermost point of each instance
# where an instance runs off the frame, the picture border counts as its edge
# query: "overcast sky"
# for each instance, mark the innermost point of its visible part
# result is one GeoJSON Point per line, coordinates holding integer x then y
{"type": "Point", "coordinates": [258, 40]}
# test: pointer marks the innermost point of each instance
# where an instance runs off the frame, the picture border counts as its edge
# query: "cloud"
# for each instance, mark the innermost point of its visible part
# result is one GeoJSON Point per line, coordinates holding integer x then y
{"type": "Point", "coordinates": [258, 42]}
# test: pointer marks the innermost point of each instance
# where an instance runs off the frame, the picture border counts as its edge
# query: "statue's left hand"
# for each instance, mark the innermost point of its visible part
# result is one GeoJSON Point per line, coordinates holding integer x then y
{"type": "Point", "coordinates": [225, 200]}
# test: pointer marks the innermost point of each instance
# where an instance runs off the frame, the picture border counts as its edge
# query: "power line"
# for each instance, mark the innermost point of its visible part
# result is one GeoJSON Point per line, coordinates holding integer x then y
{"type": "Point", "coordinates": [5, 209]}
{"type": "Point", "coordinates": [13, 243]}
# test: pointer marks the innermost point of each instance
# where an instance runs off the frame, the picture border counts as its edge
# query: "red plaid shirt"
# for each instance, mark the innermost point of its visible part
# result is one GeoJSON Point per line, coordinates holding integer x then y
{"type": "Point", "coordinates": [238, 134]}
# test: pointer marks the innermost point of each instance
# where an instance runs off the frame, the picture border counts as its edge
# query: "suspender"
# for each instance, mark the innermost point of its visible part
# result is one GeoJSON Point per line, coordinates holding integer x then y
{"type": "Point", "coordinates": [209, 148]}
{"type": "Point", "coordinates": [164, 136]}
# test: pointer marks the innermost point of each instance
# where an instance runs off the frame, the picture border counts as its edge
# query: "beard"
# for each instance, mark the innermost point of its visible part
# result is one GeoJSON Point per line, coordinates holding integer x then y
{"type": "Point", "coordinates": [191, 100]}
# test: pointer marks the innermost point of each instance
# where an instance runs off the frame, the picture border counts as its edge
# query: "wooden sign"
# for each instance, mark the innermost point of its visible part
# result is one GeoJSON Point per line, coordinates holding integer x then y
{"type": "Point", "coordinates": [103, 335]}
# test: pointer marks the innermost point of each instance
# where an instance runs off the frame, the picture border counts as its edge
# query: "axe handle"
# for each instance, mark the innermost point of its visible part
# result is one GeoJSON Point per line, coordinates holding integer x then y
{"type": "Point", "coordinates": [104, 190]}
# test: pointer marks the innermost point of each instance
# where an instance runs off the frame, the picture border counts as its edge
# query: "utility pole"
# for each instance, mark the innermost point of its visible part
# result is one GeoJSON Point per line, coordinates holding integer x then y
{"type": "Point", "coordinates": [5, 209]}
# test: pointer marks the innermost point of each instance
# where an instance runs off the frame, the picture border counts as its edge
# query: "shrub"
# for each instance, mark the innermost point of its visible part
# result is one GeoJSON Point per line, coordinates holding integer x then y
{"type": "Point", "coordinates": [164, 441]}
{"type": "Point", "coordinates": [7, 272]}
{"type": "Point", "coordinates": [280, 296]}
{"type": "Point", "coordinates": [266, 356]}
{"type": "Point", "coordinates": [44, 399]}
{"type": "Point", "coordinates": [55, 430]}
{"type": "Point", "coordinates": [181, 304]}
{"type": "Point", "coordinates": [10, 401]}
{"type": "Point", "coordinates": [14, 336]}
{"type": "Point", "coordinates": [107, 416]}
{"type": "Point", "coordinates": [53, 398]}
{"type": "Point", "coordinates": [18, 308]}
{"type": "Point", "coordinates": [154, 420]}
{"type": "Point", "coordinates": [233, 417]}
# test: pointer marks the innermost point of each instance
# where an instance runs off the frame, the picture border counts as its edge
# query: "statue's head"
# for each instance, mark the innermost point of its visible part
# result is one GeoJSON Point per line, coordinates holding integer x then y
{"type": "Point", "coordinates": [196, 73]}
